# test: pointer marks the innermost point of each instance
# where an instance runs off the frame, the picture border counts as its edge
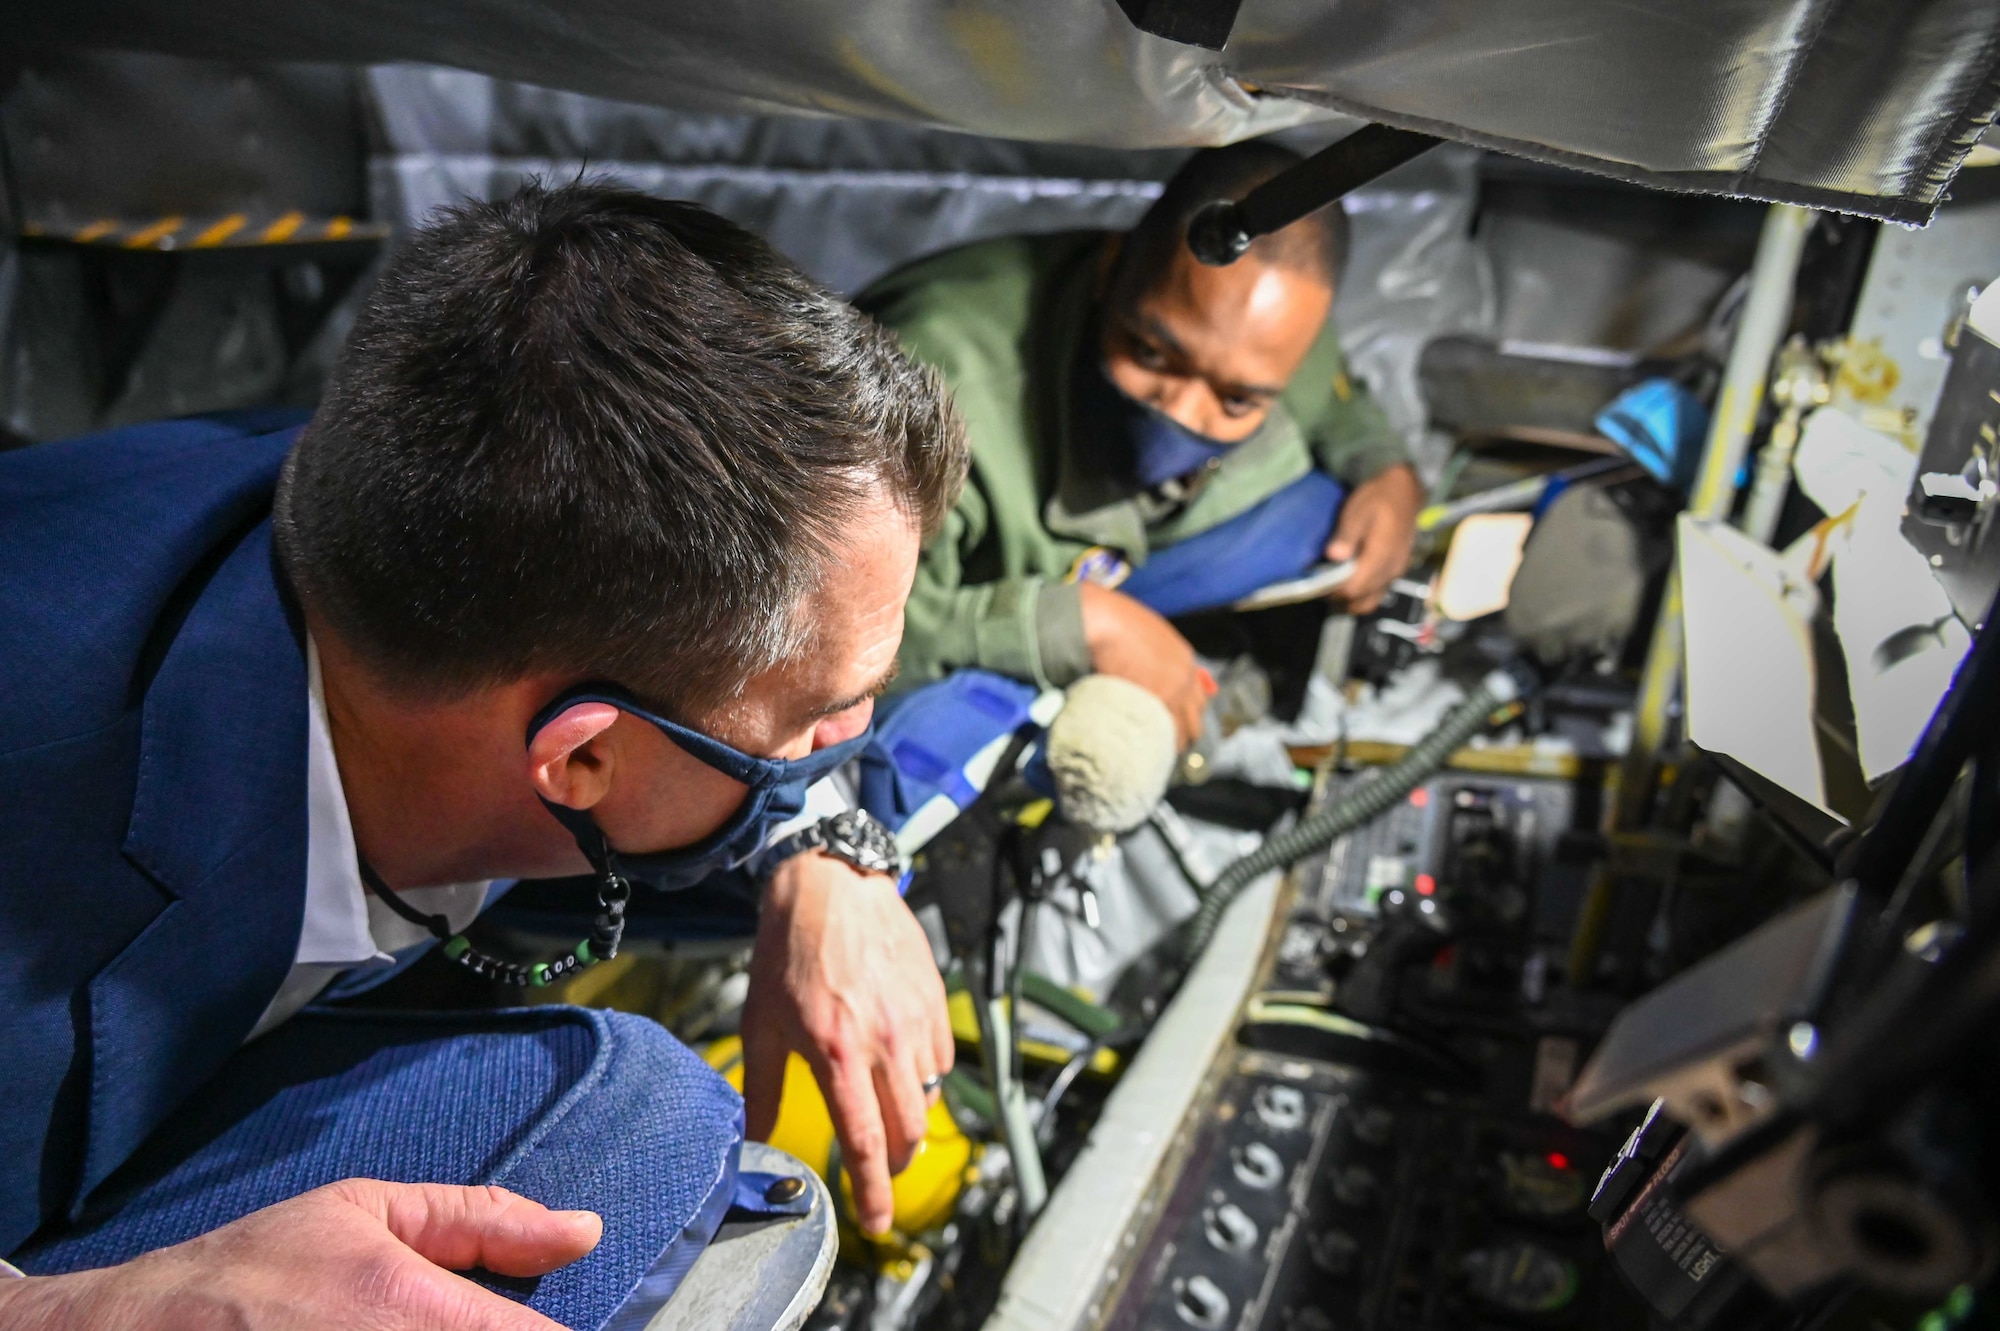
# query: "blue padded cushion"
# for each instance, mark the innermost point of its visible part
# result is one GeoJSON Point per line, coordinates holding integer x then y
{"type": "Point", "coordinates": [576, 1109]}
{"type": "Point", "coordinates": [924, 739]}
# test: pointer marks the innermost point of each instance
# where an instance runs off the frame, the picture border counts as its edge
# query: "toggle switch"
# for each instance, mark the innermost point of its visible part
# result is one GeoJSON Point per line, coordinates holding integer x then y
{"type": "Point", "coordinates": [1257, 1166]}
{"type": "Point", "coordinates": [1355, 1186]}
{"type": "Point", "coordinates": [1229, 1229]}
{"type": "Point", "coordinates": [1373, 1125]}
{"type": "Point", "coordinates": [1201, 1302]}
{"type": "Point", "coordinates": [1333, 1252]}
{"type": "Point", "coordinates": [1280, 1108]}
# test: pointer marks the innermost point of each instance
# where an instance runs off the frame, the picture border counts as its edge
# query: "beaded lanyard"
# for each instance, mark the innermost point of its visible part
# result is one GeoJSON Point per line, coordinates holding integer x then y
{"type": "Point", "coordinates": [613, 891]}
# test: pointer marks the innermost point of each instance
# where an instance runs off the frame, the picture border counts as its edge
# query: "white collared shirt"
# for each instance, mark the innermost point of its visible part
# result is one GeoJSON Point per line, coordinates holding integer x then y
{"type": "Point", "coordinates": [346, 927]}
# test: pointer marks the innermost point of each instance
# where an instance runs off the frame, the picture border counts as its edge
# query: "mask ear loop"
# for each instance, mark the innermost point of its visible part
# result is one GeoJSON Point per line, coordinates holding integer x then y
{"type": "Point", "coordinates": [614, 890]}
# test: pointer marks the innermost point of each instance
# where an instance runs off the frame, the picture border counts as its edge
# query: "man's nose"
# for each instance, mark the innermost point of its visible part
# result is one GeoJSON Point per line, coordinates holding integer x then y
{"type": "Point", "coordinates": [1186, 403]}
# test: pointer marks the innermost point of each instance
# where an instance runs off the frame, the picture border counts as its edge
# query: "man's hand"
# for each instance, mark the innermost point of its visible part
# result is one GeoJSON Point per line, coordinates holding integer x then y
{"type": "Point", "coordinates": [843, 974]}
{"type": "Point", "coordinates": [353, 1256]}
{"type": "Point", "coordinates": [1378, 528]}
{"type": "Point", "coordinates": [1134, 642]}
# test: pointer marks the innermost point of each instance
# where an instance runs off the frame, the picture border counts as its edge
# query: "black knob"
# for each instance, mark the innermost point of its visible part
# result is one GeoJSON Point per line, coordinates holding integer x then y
{"type": "Point", "coordinates": [1333, 1251]}
{"type": "Point", "coordinates": [1373, 1125]}
{"type": "Point", "coordinates": [1355, 1186]}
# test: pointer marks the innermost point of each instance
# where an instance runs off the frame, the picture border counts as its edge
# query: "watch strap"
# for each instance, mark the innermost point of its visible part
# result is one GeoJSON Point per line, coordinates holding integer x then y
{"type": "Point", "coordinates": [853, 835]}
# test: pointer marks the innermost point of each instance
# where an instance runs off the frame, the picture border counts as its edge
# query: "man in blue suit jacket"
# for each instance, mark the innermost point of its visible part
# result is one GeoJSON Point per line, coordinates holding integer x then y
{"type": "Point", "coordinates": [607, 517]}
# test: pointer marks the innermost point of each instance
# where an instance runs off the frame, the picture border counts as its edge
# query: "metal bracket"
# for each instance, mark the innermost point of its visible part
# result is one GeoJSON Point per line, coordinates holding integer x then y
{"type": "Point", "coordinates": [1222, 233]}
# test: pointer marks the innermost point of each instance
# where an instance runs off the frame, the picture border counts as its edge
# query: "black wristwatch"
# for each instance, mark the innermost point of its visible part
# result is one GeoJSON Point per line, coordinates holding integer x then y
{"type": "Point", "coordinates": [854, 836]}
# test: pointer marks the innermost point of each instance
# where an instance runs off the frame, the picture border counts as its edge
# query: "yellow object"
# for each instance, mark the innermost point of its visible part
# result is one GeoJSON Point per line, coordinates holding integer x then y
{"type": "Point", "coordinates": [220, 231]}
{"type": "Point", "coordinates": [1509, 759]}
{"type": "Point", "coordinates": [965, 1029]}
{"type": "Point", "coordinates": [282, 229]}
{"type": "Point", "coordinates": [151, 236]}
{"type": "Point", "coordinates": [1035, 814]}
{"type": "Point", "coordinates": [925, 1193]}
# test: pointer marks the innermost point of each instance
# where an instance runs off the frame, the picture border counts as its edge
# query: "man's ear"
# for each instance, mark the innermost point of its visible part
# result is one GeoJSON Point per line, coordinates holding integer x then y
{"type": "Point", "coordinates": [564, 763]}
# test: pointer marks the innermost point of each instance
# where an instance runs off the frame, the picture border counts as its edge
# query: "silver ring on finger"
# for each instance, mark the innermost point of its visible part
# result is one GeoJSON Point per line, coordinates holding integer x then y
{"type": "Point", "coordinates": [933, 1082]}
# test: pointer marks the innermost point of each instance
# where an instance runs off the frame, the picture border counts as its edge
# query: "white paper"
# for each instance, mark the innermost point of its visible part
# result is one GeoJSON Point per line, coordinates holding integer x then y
{"type": "Point", "coordinates": [1896, 627]}
{"type": "Point", "coordinates": [1750, 684]}
{"type": "Point", "coordinates": [1310, 586]}
{"type": "Point", "coordinates": [1479, 571]}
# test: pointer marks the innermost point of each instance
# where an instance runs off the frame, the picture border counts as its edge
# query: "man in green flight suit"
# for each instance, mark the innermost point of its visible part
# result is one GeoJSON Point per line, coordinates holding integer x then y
{"type": "Point", "coordinates": [1122, 399]}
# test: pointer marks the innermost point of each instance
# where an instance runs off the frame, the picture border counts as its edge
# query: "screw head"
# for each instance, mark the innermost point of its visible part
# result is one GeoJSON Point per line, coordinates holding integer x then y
{"type": "Point", "coordinates": [787, 1189]}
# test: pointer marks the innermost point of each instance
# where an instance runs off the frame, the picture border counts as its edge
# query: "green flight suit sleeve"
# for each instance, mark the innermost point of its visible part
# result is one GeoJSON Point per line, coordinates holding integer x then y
{"type": "Point", "coordinates": [988, 590]}
{"type": "Point", "coordinates": [1024, 627]}
{"type": "Point", "coordinates": [1350, 434]}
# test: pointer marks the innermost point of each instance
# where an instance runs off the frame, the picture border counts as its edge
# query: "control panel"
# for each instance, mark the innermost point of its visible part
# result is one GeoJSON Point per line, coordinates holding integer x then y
{"type": "Point", "coordinates": [1380, 1152]}
{"type": "Point", "coordinates": [1318, 1198]}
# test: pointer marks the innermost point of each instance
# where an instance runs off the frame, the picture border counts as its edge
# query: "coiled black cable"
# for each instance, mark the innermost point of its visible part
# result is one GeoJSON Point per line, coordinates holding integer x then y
{"type": "Point", "coordinates": [1366, 801]}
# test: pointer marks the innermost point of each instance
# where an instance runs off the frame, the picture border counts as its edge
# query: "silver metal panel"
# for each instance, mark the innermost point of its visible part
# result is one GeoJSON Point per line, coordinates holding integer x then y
{"type": "Point", "coordinates": [764, 1275]}
{"type": "Point", "coordinates": [1919, 284]}
{"type": "Point", "coordinates": [1085, 1237]}
{"type": "Point", "coordinates": [1868, 106]}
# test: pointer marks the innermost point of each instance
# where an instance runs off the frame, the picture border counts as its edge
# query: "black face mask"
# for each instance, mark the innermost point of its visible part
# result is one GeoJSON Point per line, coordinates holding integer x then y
{"type": "Point", "coordinates": [1145, 445]}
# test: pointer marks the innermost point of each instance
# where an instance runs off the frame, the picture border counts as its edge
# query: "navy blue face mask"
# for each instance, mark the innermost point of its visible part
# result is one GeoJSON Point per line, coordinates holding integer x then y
{"type": "Point", "coordinates": [777, 795]}
{"type": "Point", "coordinates": [1147, 445]}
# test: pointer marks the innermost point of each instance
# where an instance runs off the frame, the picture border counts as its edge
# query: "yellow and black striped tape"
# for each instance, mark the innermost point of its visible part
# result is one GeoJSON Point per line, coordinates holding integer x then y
{"type": "Point", "coordinates": [232, 231]}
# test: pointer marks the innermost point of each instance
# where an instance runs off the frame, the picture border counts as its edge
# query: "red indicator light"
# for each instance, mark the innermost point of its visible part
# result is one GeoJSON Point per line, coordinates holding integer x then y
{"type": "Point", "coordinates": [1557, 1160]}
{"type": "Point", "coordinates": [1419, 798]}
{"type": "Point", "coordinates": [1426, 885]}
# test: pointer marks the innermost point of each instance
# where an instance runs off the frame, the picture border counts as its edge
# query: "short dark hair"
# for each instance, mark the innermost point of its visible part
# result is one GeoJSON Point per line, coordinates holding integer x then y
{"type": "Point", "coordinates": [1315, 244]}
{"type": "Point", "coordinates": [586, 431]}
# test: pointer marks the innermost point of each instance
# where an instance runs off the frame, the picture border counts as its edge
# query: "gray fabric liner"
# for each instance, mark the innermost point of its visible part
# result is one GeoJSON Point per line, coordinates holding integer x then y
{"type": "Point", "coordinates": [1655, 92]}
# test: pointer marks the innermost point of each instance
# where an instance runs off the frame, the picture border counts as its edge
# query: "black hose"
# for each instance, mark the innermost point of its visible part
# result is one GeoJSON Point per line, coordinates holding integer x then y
{"type": "Point", "coordinates": [1081, 1060]}
{"type": "Point", "coordinates": [1367, 800]}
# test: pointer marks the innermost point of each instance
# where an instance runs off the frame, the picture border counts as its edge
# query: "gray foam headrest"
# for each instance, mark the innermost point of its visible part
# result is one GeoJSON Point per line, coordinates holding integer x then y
{"type": "Point", "coordinates": [1111, 751]}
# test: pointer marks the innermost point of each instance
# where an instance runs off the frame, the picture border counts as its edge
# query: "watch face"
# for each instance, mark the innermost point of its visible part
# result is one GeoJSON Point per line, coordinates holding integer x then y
{"type": "Point", "coordinates": [858, 838]}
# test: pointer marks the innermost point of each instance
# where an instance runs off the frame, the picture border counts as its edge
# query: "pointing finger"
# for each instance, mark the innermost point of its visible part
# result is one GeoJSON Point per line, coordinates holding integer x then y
{"type": "Point", "coordinates": [857, 1119]}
